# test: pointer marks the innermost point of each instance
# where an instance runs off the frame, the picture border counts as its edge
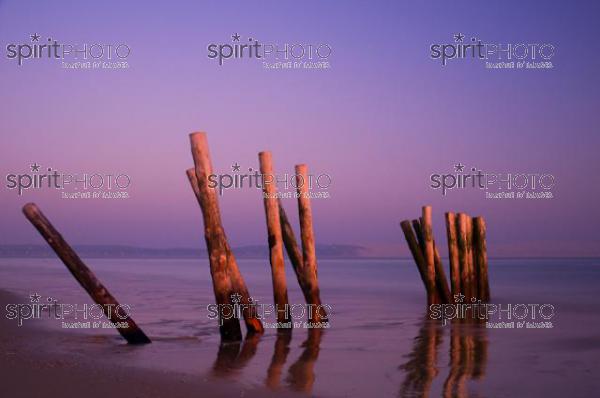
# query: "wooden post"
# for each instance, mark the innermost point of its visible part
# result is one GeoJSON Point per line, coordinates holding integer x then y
{"type": "Point", "coordinates": [417, 254]}
{"type": "Point", "coordinates": [428, 251]}
{"type": "Point", "coordinates": [440, 277]}
{"type": "Point", "coordinates": [311, 294]}
{"type": "Point", "coordinates": [86, 278]}
{"type": "Point", "coordinates": [472, 283]}
{"type": "Point", "coordinates": [481, 259]}
{"type": "Point", "coordinates": [226, 276]}
{"type": "Point", "coordinates": [453, 253]}
{"type": "Point", "coordinates": [271, 205]}
{"type": "Point", "coordinates": [291, 247]}
{"type": "Point", "coordinates": [309, 256]}
{"type": "Point", "coordinates": [463, 253]}
{"type": "Point", "coordinates": [441, 283]}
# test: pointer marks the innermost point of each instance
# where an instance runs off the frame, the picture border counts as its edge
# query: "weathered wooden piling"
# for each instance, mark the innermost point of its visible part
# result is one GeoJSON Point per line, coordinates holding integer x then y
{"type": "Point", "coordinates": [481, 262]}
{"type": "Point", "coordinates": [428, 251]}
{"type": "Point", "coordinates": [303, 275]}
{"type": "Point", "coordinates": [86, 278]}
{"type": "Point", "coordinates": [463, 253]}
{"type": "Point", "coordinates": [442, 290]}
{"type": "Point", "coordinates": [417, 253]}
{"type": "Point", "coordinates": [472, 282]}
{"type": "Point", "coordinates": [226, 276]}
{"type": "Point", "coordinates": [467, 255]}
{"type": "Point", "coordinates": [292, 249]}
{"type": "Point", "coordinates": [440, 277]}
{"type": "Point", "coordinates": [309, 255]}
{"type": "Point", "coordinates": [275, 239]}
{"type": "Point", "coordinates": [453, 253]}
{"type": "Point", "coordinates": [222, 285]}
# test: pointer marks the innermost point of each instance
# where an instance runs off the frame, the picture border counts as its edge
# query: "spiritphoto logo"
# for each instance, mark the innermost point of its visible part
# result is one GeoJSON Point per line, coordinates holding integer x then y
{"type": "Point", "coordinates": [497, 185]}
{"type": "Point", "coordinates": [495, 55]}
{"type": "Point", "coordinates": [272, 55]}
{"type": "Point", "coordinates": [71, 55]}
{"type": "Point", "coordinates": [297, 313]}
{"type": "Point", "coordinates": [72, 316]}
{"type": "Point", "coordinates": [87, 185]}
{"type": "Point", "coordinates": [287, 184]}
{"type": "Point", "coordinates": [496, 316]}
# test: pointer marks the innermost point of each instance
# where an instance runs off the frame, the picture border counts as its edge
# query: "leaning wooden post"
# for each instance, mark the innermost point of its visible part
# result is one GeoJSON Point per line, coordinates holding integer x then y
{"type": "Point", "coordinates": [453, 253]}
{"type": "Point", "coordinates": [428, 250]}
{"type": "Point", "coordinates": [440, 277]}
{"type": "Point", "coordinates": [229, 327]}
{"type": "Point", "coordinates": [481, 258]}
{"type": "Point", "coordinates": [461, 222]}
{"type": "Point", "coordinates": [441, 283]}
{"type": "Point", "coordinates": [309, 255]}
{"type": "Point", "coordinates": [86, 278]}
{"type": "Point", "coordinates": [271, 204]}
{"type": "Point", "coordinates": [226, 276]}
{"type": "Point", "coordinates": [291, 245]}
{"type": "Point", "coordinates": [295, 256]}
{"type": "Point", "coordinates": [417, 254]}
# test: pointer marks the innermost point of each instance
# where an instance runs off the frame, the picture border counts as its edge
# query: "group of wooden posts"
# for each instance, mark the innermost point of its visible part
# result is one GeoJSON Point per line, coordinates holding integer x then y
{"type": "Point", "coordinates": [466, 247]}
{"type": "Point", "coordinates": [226, 276]}
{"type": "Point", "coordinates": [227, 279]}
{"type": "Point", "coordinates": [467, 254]}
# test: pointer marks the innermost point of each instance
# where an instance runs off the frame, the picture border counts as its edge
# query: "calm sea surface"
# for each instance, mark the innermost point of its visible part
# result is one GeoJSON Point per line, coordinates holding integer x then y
{"type": "Point", "coordinates": [380, 342]}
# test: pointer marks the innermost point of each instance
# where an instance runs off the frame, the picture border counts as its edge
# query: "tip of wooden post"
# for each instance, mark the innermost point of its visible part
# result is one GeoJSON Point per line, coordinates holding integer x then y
{"type": "Point", "coordinates": [264, 155]}
{"type": "Point", "coordinates": [198, 136]}
{"type": "Point", "coordinates": [301, 168]}
{"type": "Point", "coordinates": [30, 208]}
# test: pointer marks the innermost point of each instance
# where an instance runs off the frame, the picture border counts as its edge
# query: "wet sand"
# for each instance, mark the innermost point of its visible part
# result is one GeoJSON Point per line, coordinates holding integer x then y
{"type": "Point", "coordinates": [32, 366]}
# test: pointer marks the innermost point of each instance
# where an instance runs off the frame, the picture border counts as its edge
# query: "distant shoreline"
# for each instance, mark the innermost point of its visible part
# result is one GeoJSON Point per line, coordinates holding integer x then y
{"type": "Point", "coordinates": [257, 252]}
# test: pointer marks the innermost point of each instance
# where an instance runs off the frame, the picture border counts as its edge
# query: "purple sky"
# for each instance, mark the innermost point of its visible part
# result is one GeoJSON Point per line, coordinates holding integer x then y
{"type": "Point", "coordinates": [380, 121]}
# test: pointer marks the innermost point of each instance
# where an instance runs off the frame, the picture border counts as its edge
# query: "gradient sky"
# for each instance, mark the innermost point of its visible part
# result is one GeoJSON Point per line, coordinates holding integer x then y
{"type": "Point", "coordinates": [380, 121]}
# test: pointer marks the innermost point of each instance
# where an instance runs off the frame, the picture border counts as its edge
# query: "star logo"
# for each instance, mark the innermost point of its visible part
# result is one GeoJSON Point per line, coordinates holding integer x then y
{"type": "Point", "coordinates": [459, 167]}
{"type": "Point", "coordinates": [35, 37]}
{"type": "Point", "coordinates": [458, 298]}
{"type": "Point", "coordinates": [235, 167]}
{"type": "Point", "coordinates": [459, 37]}
{"type": "Point", "coordinates": [35, 298]}
{"type": "Point", "coordinates": [235, 37]}
{"type": "Point", "coordinates": [236, 298]}
{"type": "Point", "coordinates": [35, 167]}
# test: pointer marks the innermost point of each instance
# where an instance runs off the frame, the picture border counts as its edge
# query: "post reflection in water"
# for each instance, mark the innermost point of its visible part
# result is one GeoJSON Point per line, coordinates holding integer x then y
{"type": "Point", "coordinates": [468, 356]}
{"type": "Point", "coordinates": [301, 374]}
{"type": "Point", "coordinates": [280, 353]}
{"type": "Point", "coordinates": [233, 357]}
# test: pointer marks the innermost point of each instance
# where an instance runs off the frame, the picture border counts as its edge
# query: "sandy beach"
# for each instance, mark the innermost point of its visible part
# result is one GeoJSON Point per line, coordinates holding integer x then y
{"type": "Point", "coordinates": [32, 366]}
